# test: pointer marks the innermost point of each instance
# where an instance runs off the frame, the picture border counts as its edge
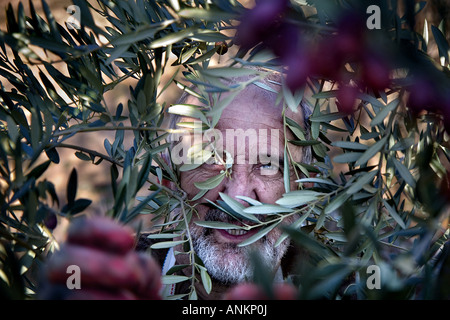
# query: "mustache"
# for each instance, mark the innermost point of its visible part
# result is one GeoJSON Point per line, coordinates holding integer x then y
{"type": "Point", "coordinates": [215, 214]}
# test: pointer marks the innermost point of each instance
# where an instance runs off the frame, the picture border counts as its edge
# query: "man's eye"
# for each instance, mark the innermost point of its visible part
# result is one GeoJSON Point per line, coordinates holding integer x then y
{"type": "Point", "coordinates": [269, 169]}
{"type": "Point", "coordinates": [213, 164]}
{"type": "Point", "coordinates": [223, 161]}
{"type": "Point", "coordinates": [214, 161]}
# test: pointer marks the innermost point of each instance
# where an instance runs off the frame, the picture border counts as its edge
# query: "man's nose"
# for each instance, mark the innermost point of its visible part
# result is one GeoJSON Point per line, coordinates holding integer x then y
{"type": "Point", "coordinates": [240, 184]}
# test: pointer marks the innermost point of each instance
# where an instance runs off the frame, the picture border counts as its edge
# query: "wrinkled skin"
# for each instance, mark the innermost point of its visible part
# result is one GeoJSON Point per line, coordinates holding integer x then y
{"type": "Point", "coordinates": [111, 269]}
{"type": "Point", "coordinates": [255, 180]}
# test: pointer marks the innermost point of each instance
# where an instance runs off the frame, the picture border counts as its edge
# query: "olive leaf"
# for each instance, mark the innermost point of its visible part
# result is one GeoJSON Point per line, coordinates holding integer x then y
{"type": "Point", "coordinates": [237, 208]}
{"type": "Point", "coordinates": [210, 183]}
{"type": "Point", "coordinates": [298, 198]}
{"type": "Point", "coordinates": [258, 235]}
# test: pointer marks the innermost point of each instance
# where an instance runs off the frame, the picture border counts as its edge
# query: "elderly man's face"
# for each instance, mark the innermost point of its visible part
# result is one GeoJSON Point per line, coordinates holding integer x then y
{"type": "Point", "coordinates": [251, 112]}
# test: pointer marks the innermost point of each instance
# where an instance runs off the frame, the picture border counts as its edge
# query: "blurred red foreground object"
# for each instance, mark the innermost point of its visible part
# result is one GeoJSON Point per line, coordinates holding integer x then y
{"type": "Point", "coordinates": [109, 267]}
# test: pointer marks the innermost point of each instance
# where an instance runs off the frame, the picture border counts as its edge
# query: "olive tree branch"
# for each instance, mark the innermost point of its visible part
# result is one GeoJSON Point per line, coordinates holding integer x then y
{"type": "Point", "coordinates": [171, 192]}
{"type": "Point", "coordinates": [73, 130]}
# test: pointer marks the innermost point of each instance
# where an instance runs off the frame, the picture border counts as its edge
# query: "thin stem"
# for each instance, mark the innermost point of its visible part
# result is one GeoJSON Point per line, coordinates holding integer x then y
{"type": "Point", "coordinates": [286, 144]}
{"type": "Point", "coordinates": [191, 244]}
{"type": "Point", "coordinates": [281, 217]}
{"type": "Point", "coordinates": [95, 129]}
{"type": "Point", "coordinates": [392, 245]}
{"type": "Point", "coordinates": [111, 160]}
{"type": "Point", "coordinates": [92, 152]}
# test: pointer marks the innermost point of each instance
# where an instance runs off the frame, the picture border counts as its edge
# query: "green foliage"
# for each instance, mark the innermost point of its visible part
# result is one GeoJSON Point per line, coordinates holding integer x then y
{"type": "Point", "coordinates": [379, 200]}
{"type": "Point", "coordinates": [45, 105]}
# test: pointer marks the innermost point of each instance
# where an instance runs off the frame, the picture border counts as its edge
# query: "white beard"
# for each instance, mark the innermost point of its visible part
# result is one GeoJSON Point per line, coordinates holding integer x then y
{"type": "Point", "coordinates": [228, 263]}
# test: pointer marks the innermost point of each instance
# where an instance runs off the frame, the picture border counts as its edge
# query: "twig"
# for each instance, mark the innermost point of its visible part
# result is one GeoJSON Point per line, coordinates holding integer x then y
{"type": "Point", "coordinates": [92, 152]}
{"type": "Point", "coordinates": [94, 129]}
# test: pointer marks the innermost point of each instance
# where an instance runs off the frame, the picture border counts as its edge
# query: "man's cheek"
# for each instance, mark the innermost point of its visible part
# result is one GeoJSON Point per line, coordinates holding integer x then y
{"type": "Point", "coordinates": [212, 195]}
{"type": "Point", "coordinates": [271, 191]}
{"type": "Point", "coordinates": [274, 234]}
{"type": "Point", "coordinates": [187, 182]}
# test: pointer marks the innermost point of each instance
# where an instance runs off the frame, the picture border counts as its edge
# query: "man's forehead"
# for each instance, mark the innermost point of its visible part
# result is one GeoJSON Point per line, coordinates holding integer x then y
{"type": "Point", "coordinates": [253, 105]}
{"type": "Point", "coordinates": [251, 124]}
